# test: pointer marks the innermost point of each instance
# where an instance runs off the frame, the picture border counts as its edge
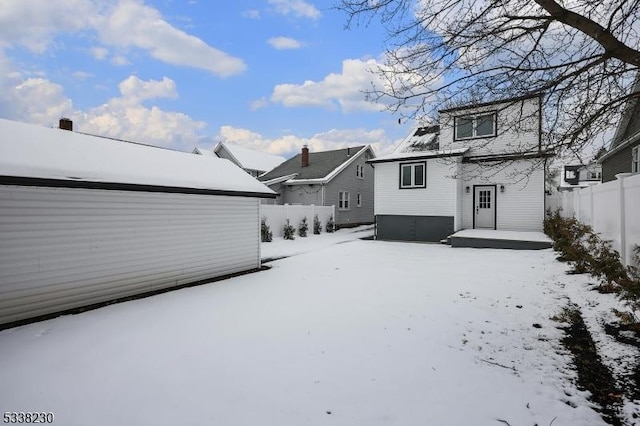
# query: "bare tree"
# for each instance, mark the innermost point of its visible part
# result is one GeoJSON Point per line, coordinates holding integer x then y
{"type": "Point", "coordinates": [582, 55]}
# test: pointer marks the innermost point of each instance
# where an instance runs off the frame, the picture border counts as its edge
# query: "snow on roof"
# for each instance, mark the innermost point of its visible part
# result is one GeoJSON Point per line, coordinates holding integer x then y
{"type": "Point", "coordinates": [250, 159]}
{"type": "Point", "coordinates": [32, 151]}
{"type": "Point", "coordinates": [420, 139]}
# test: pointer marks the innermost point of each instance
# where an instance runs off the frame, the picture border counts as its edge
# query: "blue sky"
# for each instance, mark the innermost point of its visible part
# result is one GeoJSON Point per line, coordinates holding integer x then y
{"type": "Point", "coordinates": [266, 74]}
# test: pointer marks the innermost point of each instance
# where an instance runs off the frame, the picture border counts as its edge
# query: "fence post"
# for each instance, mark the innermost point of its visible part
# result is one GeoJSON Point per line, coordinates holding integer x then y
{"type": "Point", "coordinates": [623, 225]}
{"type": "Point", "coordinates": [592, 219]}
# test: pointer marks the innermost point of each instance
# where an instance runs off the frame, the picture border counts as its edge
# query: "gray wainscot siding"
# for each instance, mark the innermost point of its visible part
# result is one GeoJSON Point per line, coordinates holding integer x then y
{"type": "Point", "coordinates": [620, 162]}
{"type": "Point", "coordinates": [414, 228]}
{"type": "Point", "coordinates": [347, 181]}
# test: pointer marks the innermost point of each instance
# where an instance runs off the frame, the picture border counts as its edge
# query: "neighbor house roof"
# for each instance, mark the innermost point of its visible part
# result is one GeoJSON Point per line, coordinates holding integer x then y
{"type": "Point", "coordinates": [41, 156]}
{"type": "Point", "coordinates": [628, 130]}
{"type": "Point", "coordinates": [323, 166]}
{"type": "Point", "coordinates": [491, 103]}
{"type": "Point", "coordinates": [422, 142]}
{"type": "Point", "coordinates": [249, 158]}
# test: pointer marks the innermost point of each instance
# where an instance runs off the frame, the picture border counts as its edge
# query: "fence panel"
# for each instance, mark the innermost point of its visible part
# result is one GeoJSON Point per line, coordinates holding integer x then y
{"type": "Point", "coordinates": [612, 209]}
{"type": "Point", "coordinates": [277, 215]}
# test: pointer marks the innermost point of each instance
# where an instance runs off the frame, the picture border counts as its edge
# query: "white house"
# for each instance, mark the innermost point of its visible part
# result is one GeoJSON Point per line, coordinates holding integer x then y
{"type": "Point", "coordinates": [85, 219]}
{"type": "Point", "coordinates": [481, 168]}
{"type": "Point", "coordinates": [251, 161]}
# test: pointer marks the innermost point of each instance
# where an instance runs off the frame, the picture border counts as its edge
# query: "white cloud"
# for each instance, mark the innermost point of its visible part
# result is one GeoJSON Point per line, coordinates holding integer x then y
{"type": "Point", "coordinates": [251, 14]}
{"type": "Point", "coordinates": [290, 145]}
{"type": "Point", "coordinates": [32, 23]}
{"type": "Point", "coordinates": [125, 24]}
{"type": "Point", "coordinates": [120, 61]}
{"type": "Point", "coordinates": [298, 8]}
{"type": "Point", "coordinates": [133, 24]}
{"type": "Point", "coordinates": [81, 75]}
{"type": "Point", "coordinates": [282, 43]}
{"type": "Point", "coordinates": [136, 90]}
{"type": "Point", "coordinates": [345, 89]}
{"type": "Point", "coordinates": [99, 53]}
{"type": "Point", "coordinates": [258, 103]}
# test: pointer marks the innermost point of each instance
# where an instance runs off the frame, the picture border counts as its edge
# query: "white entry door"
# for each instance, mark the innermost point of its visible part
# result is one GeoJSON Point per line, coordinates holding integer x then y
{"type": "Point", "coordinates": [485, 207]}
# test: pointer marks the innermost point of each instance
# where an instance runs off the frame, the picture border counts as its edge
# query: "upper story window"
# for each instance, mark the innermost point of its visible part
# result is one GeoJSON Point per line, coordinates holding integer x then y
{"type": "Point", "coordinates": [635, 160]}
{"type": "Point", "coordinates": [475, 126]}
{"type": "Point", "coordinates": [360, 171]}
{"type": "Point", "coordinates": [413, 175]}
{"type": "Point", "coordinates": [594, 175]}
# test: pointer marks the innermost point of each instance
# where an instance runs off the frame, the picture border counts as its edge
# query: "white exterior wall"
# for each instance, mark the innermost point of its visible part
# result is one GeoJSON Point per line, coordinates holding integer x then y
{"type": "Point", "coordinates": [437, 199]}
{"type": "Point", "coordinates": [63, 248]}
{"type": "Point", "coordinates": [520, 207]}
{"type": "Point", "coordinates": [517, 129]}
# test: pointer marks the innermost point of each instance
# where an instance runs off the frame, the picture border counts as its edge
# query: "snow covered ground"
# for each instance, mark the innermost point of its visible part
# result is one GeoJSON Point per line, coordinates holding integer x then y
{"type": "Point", "coordinates": [356, 333]}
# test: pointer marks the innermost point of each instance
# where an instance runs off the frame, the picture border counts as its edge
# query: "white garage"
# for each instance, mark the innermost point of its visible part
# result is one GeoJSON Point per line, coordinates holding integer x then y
{"type": "Point", "coordinates": [85, 219]}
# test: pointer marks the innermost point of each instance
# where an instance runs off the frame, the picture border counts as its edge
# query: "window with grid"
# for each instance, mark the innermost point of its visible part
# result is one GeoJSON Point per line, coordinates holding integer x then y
{"type": "Point", "coordinates": [484, 199]}
{"type": "Point", "coordinates": [475, 126]}
{"type": "Point", "coordinates": [360, 171]}
{"type": "Point", "coordinates": [635, 160]}
{"type": "Point", "coordinates": [343, 200]}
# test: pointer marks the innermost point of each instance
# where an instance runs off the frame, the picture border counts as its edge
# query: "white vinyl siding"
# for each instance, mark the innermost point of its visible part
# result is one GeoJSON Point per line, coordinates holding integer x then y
{"type": "Point", "coordinates": [63, 248]}
{"type": "Point", "coordinates": [438, 199]}
{"type": "Point", "coordinates": [520, 207]}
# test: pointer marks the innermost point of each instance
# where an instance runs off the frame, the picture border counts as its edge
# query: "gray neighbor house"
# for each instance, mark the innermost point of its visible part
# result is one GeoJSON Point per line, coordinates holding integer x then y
{"type": "Point", "coordinates": [341, 178]}
{"type": "Point", "coordinates": [624, 152]}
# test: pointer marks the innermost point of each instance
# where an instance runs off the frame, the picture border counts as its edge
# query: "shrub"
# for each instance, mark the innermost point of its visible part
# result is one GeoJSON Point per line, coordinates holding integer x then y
{"type": "Point", "coordinates": [289, 231]}
{"type": "Point", "coordinates": [317, 226]}
{"type": "Point", "coordinates": [303, 227]}
{"type": "Point", "coordinates": [331, 226]}
{"type": "Point", "coordinates": [265, 232]}
{"type": "Point", "coordinates": [588, 253]}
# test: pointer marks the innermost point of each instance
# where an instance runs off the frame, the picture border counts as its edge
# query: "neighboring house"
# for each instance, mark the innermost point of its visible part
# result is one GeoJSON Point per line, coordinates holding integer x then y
{"type": "Point", "coordinates": [624, 152]}
{"type": "Point", "coordinates": [87, 219]}
{"type": "Point", "coordinates": [482, 167]}
{"type": "Point", "coordinates": [580, 176]}
{"type": "Point", "coordinates": [341, 178]}
{"type": "Point", "coordinates": [253, 162]}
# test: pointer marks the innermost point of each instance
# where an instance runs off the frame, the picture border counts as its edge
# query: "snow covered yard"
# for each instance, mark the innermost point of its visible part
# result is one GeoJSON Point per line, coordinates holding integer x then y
{"type": "Point", "coordinates": [360, 333]}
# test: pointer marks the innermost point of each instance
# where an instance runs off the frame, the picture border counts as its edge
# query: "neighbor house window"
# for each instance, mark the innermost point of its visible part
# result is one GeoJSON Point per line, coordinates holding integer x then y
{"type": "Point", "coordinates": [635, 159]}
{"type": "Point", "coordinates": [359, 200]}
{"type": "Point", "coordinates": [594, 175]}
{"type": "Point", "coordinates": [413, 175]}
{"type": "Point", "coordinates": [360, 171]}
{"type": "Point", "coordinates": [475, 126]}
{"type": "Point", "coordinates": [343, 200]}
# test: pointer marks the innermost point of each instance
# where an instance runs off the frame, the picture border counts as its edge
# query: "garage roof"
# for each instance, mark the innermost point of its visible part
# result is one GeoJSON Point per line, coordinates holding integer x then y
{"type": "Point", "coordinates": [40, 156]}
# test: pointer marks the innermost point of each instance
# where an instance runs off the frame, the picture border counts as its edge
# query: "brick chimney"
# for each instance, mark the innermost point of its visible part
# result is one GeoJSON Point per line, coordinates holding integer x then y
{"type": "Point", "coordinates": [66, 124]}
{"type": "Point", "coordinates": [305, 155]}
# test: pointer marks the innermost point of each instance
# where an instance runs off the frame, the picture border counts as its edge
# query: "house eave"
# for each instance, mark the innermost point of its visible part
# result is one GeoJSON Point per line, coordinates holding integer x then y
{"type": "Point", "coordinates": [491, 103]}
{"type": "Point", "coordinates": [631, 140]}
{"type": "Point", "coordinates": [507, 157]}
{"type": "Point", "coordinates": [426, 155]}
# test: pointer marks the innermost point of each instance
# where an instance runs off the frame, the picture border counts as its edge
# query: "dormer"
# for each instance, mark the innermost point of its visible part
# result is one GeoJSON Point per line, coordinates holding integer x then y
{"type": "Point", "coordinates": [504, 127]}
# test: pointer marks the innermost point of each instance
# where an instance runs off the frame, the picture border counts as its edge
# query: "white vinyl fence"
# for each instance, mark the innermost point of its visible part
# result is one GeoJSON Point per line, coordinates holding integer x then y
{"type": "Point", "coordinates": [277, 216]}
{"type": "Point", "coordinates": [612, 209]}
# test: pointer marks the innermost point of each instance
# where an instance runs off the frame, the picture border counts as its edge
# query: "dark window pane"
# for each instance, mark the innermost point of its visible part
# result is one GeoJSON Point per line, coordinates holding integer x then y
{"type": "Point", "coordinates": [406, 175]}
{"type": "Point", "coordinates": [464, 128]}
{"type": "Point", "coordinates": [419, 175]}
{"type": "Point", "coordinates": [485, 125]}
